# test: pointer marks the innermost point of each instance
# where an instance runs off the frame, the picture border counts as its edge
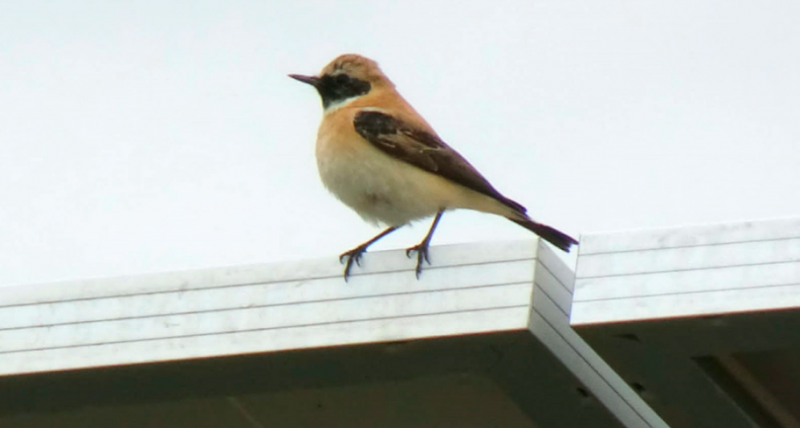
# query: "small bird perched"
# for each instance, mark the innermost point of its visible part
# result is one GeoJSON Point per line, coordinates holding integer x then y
{"type": "Point", "coordinates": [381, 158]}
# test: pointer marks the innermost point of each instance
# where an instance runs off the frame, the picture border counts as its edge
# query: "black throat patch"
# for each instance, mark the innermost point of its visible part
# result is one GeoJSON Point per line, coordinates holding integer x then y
{"type": "Point", "coordinates": [340, 87]}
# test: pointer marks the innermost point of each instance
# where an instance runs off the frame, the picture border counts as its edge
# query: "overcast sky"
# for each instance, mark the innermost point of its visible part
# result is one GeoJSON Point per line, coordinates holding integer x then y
{"type": "Point", "coordinates": [151, 136]}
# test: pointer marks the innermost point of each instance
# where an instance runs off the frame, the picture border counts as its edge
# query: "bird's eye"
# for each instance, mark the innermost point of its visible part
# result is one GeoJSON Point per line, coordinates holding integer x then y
{"type": "Point", "coordinates": [342, 78]}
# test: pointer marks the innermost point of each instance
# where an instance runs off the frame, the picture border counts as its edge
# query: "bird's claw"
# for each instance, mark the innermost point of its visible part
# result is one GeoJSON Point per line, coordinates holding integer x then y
{"type": "Point", "coordinates": [421, 250]}
{"type": "Point", "coordinates": [422, 256]}
{"type": "Point", "coordinates": [353, 255]}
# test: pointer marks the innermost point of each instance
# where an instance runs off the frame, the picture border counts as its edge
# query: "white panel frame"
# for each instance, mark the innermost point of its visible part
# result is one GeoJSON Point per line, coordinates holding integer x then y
{"type": "Point", "coordinates": [519, 292]}
{"type": "Point", "coordinates": [659, 305]}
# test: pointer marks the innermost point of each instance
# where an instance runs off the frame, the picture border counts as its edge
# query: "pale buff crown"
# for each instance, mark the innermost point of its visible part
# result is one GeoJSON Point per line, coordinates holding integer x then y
{"type": "Point", "coordinates": [358, 67]}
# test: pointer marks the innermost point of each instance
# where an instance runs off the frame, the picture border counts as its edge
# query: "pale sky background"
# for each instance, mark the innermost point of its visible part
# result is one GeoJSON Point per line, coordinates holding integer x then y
{"type": "Point", "coordinates": [145, 136]}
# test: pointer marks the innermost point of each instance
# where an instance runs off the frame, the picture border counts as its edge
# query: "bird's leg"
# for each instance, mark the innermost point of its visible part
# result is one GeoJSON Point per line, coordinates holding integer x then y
{"type": "Point", "coordinates": [422, 247]}
{"type": "Point", "coordinates": [354, 255]}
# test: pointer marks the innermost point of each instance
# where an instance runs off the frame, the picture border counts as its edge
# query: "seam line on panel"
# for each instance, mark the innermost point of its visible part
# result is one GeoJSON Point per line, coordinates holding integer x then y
{"type": "Point", "coordinates": [272, 305]}
{"type": "Point", "coordinates": [253, 330]}
{"type": "Point", "coordinates": [755, 287]}
{"type": "Point", "coordinates": [689, 246]}
{"type": "Point", "coordinates": [249, 284]}
{"type": "Point", "coordinates": [689, 269]}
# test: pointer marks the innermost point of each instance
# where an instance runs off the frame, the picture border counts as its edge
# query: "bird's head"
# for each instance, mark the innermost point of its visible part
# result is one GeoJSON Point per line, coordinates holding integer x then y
{"type": "Point", "coordinates": [347, 77]}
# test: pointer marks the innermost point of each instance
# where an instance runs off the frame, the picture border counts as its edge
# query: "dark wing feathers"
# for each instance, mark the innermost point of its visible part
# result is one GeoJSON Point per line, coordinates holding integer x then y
{"type": "Point", "coordinates": [424, 150]}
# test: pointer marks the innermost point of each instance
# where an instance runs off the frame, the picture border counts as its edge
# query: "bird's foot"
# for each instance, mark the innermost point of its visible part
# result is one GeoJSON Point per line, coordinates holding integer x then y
{"type": "Point", "coordinates": [351, 256]}
{"type": "Point", "coordinates": [422, 255]}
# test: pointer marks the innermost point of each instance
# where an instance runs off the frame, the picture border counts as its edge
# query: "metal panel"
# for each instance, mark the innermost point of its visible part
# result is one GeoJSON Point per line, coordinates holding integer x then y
{"type": "Point", "coordinates": [262, 308]}
{"type": "Point", "coordinates": [550, 323]}
{"type": "Point", "coordinates": [668, 308]}
{"type": "Point", "coordinates": [498, 311]}
{"type": "Point", "coordinates": [661, 279]}
{"type": "Point", "coordinates": [690, 236]}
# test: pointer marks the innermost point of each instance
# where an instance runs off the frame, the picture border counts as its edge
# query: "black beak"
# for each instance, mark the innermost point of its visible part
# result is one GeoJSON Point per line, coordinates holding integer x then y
{"type": "Point", "coordinates": [311, 80]}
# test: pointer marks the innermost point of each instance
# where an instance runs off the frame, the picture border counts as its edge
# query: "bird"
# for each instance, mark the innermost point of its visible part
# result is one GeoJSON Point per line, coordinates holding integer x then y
{"type": "Point", "coordinates": [380, 157]}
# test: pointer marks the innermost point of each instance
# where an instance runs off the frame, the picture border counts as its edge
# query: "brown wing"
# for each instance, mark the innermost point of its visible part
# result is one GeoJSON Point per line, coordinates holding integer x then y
{"type": "Point", "coordinates": [424, 150]}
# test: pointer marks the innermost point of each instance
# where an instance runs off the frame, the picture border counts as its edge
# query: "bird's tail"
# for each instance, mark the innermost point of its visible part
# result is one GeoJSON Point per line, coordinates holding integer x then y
{"type": "Point", "coordinates": [553, 236]}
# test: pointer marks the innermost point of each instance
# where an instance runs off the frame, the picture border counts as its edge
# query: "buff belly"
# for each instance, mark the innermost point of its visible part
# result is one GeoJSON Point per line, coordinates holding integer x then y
{"type": "Point", "coordinates": [384, 190]}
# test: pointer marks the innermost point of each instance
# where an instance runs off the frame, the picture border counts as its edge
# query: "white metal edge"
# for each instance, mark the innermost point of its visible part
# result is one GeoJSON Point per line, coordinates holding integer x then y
{"type": "Point", "coordinates": [689, 258]}
{"type": "Point", "coordinates": [555, 265]}
{"type": "Point", "coordinates": [676, 237]}
{"type": "Point", "coordinates": [193, 333]}
{"type": "Point", "coordinates": [551, 327]}
{"type": "Point", "coordinates": [260, 295]}
{"type": "Point", "coordinates": [716, 302]}
{"type": "Point", "coordinates": [683, 282]}
{"type": "Point", "coordinates": [374, 263]}
{"type": "Point", "coordinates": [281, 317]}
{"type": "Point", "coordinates": [268, 340]}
